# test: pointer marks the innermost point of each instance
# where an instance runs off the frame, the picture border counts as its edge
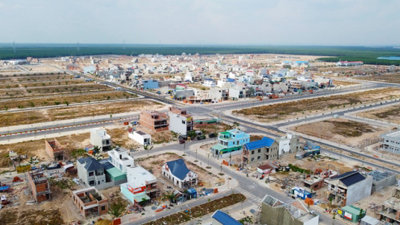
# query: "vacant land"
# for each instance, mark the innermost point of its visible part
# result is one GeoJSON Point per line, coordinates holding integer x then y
{"type": "Point", "coordinates": [295, 109]}
{"type": "Point", "coordinates": [37, 148]}
{"type": "Point", "coordinates": [67, 99]}
{"type": "Point", "coordinates": [391, 78]}
{"type": "Point", "coordinates": [154, 164]}
{"type": "Point", "coordinates": [343, 83]}
{"type": "Point", "coordinates": [71, 112]}
{"type": "Point", "coordinates": [342, 131]}
{"type": "Point", "coordinates": [391, 114]}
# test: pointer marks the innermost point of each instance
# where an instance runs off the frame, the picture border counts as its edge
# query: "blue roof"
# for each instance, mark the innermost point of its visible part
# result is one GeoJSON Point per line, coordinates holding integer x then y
{"type": "Point", "coordinates": [91, 164]}
{"type": "Point", "coordinates": [264, 142]}
{"type": "Point", "coordinates": [230, 80]}
{"type": "Point", "coordinates": [224, 218]}
{"type": "Point", "coordinates": [191, 191]}
{"type": "Point", "coordinates": [178, 168]}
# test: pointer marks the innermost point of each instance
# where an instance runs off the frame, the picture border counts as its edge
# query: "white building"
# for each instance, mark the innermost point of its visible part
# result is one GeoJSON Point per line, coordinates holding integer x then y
{"type": "Point", "coordinates": [100, 138]}
{"type": "Point", "coordinates": [180, 121]}
{"type": "Point", "coordinates": [179, 174]}
{"type": "Point", "coordinates": [209, 83]}
{"type": "Point", "coordinates": [121, 159]}
{"type": "Point", "coordinates": [140, 137]}
{"type": "Point", "coordinates": [288, 144]}
{"type": "Point", "coordinates": [391, 142]}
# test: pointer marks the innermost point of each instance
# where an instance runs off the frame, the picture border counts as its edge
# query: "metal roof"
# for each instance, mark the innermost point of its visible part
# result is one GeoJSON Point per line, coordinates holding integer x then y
{"type": "Point", "coordinates": [224, 218]}
{"type": "Point", "coordinates": [350, 178]}
{"type": "Point", "coordinates": [264, 142]}
{"type": "Point", "coordinates": [178, 168]}
{"type": "Point", "coordinates": [91, 164]}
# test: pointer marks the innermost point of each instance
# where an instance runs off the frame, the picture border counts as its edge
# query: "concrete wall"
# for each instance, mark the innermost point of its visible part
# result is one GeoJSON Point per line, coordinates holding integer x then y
{"type": "Point", "coordinates": [386, 182]}
{"type": "Point", "coordinates": [359, 191]}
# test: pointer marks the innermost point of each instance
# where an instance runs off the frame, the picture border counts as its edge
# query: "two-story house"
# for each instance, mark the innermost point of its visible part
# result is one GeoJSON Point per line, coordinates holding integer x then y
{"type": "Point", "coordinates": [348, 188]}
{"type": "Point", "coordinates": [180, 121]}
{"type": "Point", "coordinates": [141, 185]}
{"type": "Point", "coordinates": [120, 159]}
{"type": "Point", "coordinates": [153, 121]}
{"type": "Point", "coordinates": [260, 150]}
{"type": "Point", "coordinates": [230, 143]}
{"type": "Point", "coordinates": [179, 174]}
{"type": "Point", "coordinates": [100, 138]}
{"type": "Point", "coordinates": [92, 173]}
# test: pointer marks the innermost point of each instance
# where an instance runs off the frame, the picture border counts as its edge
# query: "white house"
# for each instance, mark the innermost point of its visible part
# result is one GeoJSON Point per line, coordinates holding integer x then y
{"type": "Point", "coordinates": [179, 174]}
{"type": "Point", "coordinates": [180, 121]}
{"type": "Point", "coordinates": [288, 144]}
{"type": "Point", "coordinates": [100, 138]}
{"type": "Point", "coordinates": [209, 83]}
{"type": "Point", "coordinates": [121, 159]}
{"type": "Point", "coordinates": [140, 137]}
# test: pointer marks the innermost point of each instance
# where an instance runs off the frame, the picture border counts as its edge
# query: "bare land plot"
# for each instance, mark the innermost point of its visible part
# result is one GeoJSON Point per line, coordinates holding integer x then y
{"type": "Point", "coordinates": [57, 100]}
{"type": "Point", "coordinates": [391, 78]}
{"type": "Point", "coordinates": [343, 83]}
{"type": "Point", "coordinates": [52, 82]}
{"type": "Point", "coordinates": [295, 109]}
{"type": "Point", "coordinates": [154, 164]}
{"type": "Point", "coordinates": [53, 90]}
{"type": "Point", "coordinates": [342, 131]}
{"type": "Point", "coordinates": [71, 112]}
{"type": "Point", "coordinates": [37, 147]}
{"type": "Point", "coordinates": [390, 114]}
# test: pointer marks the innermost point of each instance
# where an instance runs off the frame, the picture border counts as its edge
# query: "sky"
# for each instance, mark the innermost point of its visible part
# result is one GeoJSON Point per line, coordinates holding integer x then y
{"type": "Point", "coordinates": [237, 22]}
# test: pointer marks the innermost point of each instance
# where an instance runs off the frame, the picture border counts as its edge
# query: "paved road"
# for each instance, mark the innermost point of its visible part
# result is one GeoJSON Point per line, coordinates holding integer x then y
{"type": "Point", "coordinates": [246, 185]}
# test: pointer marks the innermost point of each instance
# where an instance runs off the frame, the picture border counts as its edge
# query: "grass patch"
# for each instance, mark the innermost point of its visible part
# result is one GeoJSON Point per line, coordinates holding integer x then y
{"type": "Point", "coordinates": [350, 128]}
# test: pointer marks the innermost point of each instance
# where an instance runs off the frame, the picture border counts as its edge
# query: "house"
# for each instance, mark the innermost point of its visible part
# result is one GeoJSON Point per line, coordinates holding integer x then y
{"type": "Point", "coordinates": [367, 220]}
{"type": "Point", "coordinates": [54, 150]}
{"type": "Point", "coordinates": [276, 212]}
{"type": "Point", "coordinates": [180, 121]}
{"type": "Point", "coordinates": [39, 186]}
{"type": "Point", "coordinates": [218, 94]}
{"type": "Point", "coordinates": [348, 188]}
{"type": "Point", "coordinates": [141, 185]}
{"type": "Point", "coordinates": [90, 202]}
{"type": "Point", "coordinates": [179, 174]}
{"type": "Point", "coordinates": [230, 142]}
{"type": "Point", "coordinates": [349, 63]}
{"type": "Point", "coordinates": [260, 150]}
{"type": "Point", "coordinates": [221, 218]}
{"type": "Point", "coordinates": [140, 137]}
{"type": "Point", "coordinates": [92, 173]}
{"type": "Point", "coordinates": [120, 159]}
{"type": "Point", "coordinates": [209, 83]}
{"type": "Point", "coordinates": [266, 169]}
{"type": "Point", "coordinates": [390, 142]}
{"type": "Point", "coordinates": [352, 213]}
{"type": "Point", "coordinates": [149, 84]}
{"type": "Point", "coordinates": [100, 138]}
{"type": "Point", "coordinates": [390, 210]}
{"type": "Point", "coordinates": [288, 144]}
{"type": "Point", "coordinates": [154, 121]}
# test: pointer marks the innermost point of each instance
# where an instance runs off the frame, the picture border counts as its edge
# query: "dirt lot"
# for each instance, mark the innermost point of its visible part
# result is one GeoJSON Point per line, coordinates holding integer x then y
{"type": "Point", "coordinates": [343, 83]}
{"type": "Point", "coordinates": [57, 100]}
{"type": "Point", "coordinates": [60, 210]}
{"type": "Point", "coordinates": [119, 136]}
{"type": "Point", "coordinates": [37, 147]}
{"type": "Point", "coordinates": [154, 164]}
{"type": "Point", "coordinates": [342, 131]}
{"type": "Point", "coordinates": [71, 112]}
{"type": "Point", "coordinates": [390, 77]}
{"type": "Point", "coordinates": [213, 128]}
{"type": "Point", "coordinates": [391, 114]}
{"type": "Point", "coordinates": [299, 108]}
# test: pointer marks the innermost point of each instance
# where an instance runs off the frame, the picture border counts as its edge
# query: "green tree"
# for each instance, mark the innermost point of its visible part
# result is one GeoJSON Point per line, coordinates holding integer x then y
{"type": "Point", "coordinates": [116, 209]}
{"type": "Point", "coordinates": [170, 196]}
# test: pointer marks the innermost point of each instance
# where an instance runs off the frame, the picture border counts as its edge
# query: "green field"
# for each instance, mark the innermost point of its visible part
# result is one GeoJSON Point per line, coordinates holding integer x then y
{"type": "Point", "coordinates": [350, 53]}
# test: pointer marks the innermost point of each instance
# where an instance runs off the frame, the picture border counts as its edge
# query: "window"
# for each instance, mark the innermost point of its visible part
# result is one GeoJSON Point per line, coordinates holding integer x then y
{"type": "Point", "coordinates": [258, 157]}
{"type": "Point", "coordinates": [98, 182]}
{"type": "Point", "coordinates": [103, 208]}
{"type": "Point", "coordinates": [259, 150]}
{"type": "Point", "coordinates": [252, 159]}
{"type": "Point", "coordinates": [91, 174]}
{"type": "Point", "coordinates": [91, 183]}
{"type": "Point", "coordinates": [252, 152]}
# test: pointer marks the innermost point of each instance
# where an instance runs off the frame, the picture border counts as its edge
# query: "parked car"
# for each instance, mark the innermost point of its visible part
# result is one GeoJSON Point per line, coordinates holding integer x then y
{"type": "Point", "coordinates": [201, 137]}
{"type": "Point", "coordinates": [182, 137]}
{"type": "Point", "coordinates": [212, 135]}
